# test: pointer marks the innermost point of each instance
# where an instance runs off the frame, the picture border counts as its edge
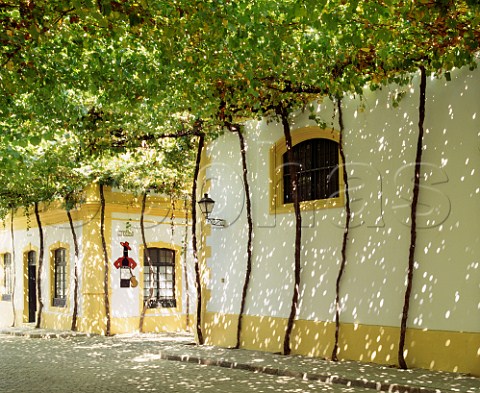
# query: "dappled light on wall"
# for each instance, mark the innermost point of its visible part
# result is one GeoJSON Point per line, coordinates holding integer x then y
{"type": "Point", "coordinates": [381, 134]}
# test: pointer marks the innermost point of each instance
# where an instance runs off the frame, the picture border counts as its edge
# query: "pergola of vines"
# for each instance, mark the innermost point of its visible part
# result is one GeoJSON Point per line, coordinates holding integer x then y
{"type": "Point", "coordinates": [122, 91]}
{"type": "Point", "coordinates": [83, 82]}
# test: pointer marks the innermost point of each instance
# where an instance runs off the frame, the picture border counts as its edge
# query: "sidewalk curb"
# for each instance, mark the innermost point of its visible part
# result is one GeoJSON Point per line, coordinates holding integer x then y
{"type": "Point", "coordinates": [325, 378]}
{"type": "Point", "coordinates": [41, 334]}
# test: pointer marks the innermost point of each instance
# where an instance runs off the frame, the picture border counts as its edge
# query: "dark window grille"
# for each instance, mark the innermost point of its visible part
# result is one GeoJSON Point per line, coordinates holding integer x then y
{"type": "Point", "coordinates": [7, 277]}
{"type": "Point", "coordinates": [60, 278]}
{"type": "Point", "coordinates": [316, 163]}
{"type": "Point", "coordinates": [32, 258]}
{"type": "Point", "coordinates": [162, 280]}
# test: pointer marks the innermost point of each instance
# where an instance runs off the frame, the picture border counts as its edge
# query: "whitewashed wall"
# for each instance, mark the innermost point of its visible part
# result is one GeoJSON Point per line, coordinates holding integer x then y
{"type": "Point", "coordinates": [380, 143]}
{"type": "Point", "coordinates": [125, 302]}
{"type": "Point", "coordinates": [23, 240]}
{"type": "Point", "coordinates": [6, 311]}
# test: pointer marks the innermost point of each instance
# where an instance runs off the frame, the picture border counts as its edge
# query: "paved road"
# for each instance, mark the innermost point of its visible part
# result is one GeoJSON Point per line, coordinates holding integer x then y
{"type": "Point", "coordinates": [103, 365]}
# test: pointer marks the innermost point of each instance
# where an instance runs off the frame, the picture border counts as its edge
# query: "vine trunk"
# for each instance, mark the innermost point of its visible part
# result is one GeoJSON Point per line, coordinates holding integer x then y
{"type": "Point", "coordinates": [413, 218]}
{"type": "Point", "coordinates": [185, 269]}
{"type": "Point", "coordinates": [150, 267]}
{"type": "Point", "coordinates": [106, 263]}
{"type": "Point", "coordinates": [298, 229]}
{"type": "Point", "coordinates": [198, 282]}
{"type": "Point", "coordinates": [75, 272]}
{"type": "Point", "coordinates": [248, 271]}
{"type": "Point", "coordinates": [345, 233]}
{"type": "Point", "coordinates": [12, 233]}
{"type": "Point", "coordinates": [40, 267]}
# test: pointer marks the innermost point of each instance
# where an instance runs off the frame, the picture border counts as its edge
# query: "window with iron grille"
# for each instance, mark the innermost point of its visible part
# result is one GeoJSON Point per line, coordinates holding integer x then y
{"type": "Point", "coordinates": [161, 279]}
{"type": "Point", "coordinates": [60, 277]}
{"type": "Point", "coordinates": [7, 277]}
{"type": "Point", "coordinates": [315, 161]}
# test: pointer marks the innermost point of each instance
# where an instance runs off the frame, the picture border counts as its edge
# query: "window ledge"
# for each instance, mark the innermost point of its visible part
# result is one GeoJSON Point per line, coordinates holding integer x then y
{"type": "Point", "coordinates": [59, 302]}
{"type": "Point", "coordinates": [159, 304]}
{"type": "Point", "coordinates": [309, 205]}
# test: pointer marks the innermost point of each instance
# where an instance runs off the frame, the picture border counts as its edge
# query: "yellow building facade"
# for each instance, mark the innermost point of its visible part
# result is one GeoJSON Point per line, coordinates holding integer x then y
{"type": "Point", "coordinates": [103, 299]}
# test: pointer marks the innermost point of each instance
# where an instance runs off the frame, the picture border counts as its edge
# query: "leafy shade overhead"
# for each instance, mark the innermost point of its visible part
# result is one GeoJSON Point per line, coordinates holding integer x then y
{"type": "Point", "coordinates": [63, 167]}
{"type": "Point", "coordinates": [92, 89]}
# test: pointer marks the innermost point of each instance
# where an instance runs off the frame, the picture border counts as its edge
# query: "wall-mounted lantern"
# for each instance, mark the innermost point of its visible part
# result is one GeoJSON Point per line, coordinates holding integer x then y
{"type": "Point", "coordinates": [206, 206]}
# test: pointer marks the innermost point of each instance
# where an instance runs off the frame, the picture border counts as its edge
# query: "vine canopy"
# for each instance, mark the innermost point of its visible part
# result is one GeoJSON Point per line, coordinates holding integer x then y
{"type": "Point", "coordinates": [118, 90]}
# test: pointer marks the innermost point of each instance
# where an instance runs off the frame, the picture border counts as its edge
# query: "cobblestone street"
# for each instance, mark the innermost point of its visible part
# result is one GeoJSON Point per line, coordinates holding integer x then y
{"type": "Point", "coordinates": [99, 364]}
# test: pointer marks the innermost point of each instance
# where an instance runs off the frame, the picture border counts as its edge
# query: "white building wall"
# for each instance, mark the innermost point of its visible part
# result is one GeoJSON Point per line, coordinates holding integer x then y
{"type": "Point", "coordinates": [6, 311]}
{"type": "Point", "coordinates": [29, 239]}
{"type": "Point", "coordinates": [380, 143]}
{"type": "Point", "coordinates": [126, 301]}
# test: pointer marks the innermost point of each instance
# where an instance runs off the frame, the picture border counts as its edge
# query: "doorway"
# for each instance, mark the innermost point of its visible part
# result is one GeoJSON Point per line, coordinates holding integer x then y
{"type": "Point", "coordinates": [32, 285]}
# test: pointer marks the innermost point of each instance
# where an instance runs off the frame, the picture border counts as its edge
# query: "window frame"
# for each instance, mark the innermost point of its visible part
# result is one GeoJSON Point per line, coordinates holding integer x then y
{"type": "Point", "coordinates": [277, 172]}
{"type": "Point", "coordinates": [59, 292]}
{"type": "Point", "coordinates": [314, 159]}
{"type": "Point", "coordinates": [159, 301]}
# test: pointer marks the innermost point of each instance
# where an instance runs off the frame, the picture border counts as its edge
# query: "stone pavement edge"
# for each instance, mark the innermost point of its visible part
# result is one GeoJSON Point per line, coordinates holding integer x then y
{"type": "Point", "coordinates": [181, 347]}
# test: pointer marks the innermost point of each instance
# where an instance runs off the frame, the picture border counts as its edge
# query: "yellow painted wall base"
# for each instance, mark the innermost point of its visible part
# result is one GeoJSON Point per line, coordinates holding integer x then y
{"type": "Point", "coordinates": [311, 338]}
{"type": "Point", "coordinates": [441, 350]}
{"type": "Point", "coordinates": [367, 343]}
{"type": "Point", "coordinates": [170, 323]}
{"type": "Point", "coordinates": [428, 349]}
{"type": "Point", "coordinates": [151, 324]}
{"type": "Point", "coordinates": [124, 325]}
{"type": "Point", "coordinates": [56, 321]}
{"type": "Point", "coordinates": [258, 333]}
{"type": "Point", "coordinates": [220, 329]}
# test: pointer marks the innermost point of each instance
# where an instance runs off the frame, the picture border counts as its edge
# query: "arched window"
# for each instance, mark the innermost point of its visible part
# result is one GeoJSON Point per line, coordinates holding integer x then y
{"type": "Point", "coordinates": [60, 277]}
{"type": "Point", "coordinates": [7, 277]}
{"type": "Point", "coordinates": [162, 279]}
{"type": "Point", "coordinates": [316, 163]}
